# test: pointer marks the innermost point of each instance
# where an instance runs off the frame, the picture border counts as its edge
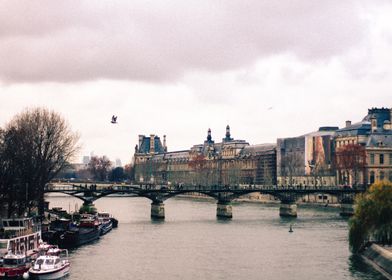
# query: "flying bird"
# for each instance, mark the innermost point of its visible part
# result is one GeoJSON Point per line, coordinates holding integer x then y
{"type": "Point", "coordinates": [114, 119]}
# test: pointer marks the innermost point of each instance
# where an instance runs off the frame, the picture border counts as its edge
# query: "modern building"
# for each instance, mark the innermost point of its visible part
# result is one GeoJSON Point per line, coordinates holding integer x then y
{"type": "Point", "coordinates": [306, 160]}
{"type": "Point", "coordinates": [86, 160]}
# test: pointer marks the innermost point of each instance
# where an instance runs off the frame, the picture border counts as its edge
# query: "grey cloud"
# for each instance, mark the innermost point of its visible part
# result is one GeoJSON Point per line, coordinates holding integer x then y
{"type": "Point", "coordinates": [66, 41]}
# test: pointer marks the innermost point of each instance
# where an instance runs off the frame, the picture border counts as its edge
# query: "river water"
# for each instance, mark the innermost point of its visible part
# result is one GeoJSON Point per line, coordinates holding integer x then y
{"type": "Point", "coordinates": [192, 244]}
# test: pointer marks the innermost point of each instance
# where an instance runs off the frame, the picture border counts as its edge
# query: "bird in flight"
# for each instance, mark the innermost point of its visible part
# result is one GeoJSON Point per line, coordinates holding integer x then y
{"type": "Point", "coordinates": [114, 119]}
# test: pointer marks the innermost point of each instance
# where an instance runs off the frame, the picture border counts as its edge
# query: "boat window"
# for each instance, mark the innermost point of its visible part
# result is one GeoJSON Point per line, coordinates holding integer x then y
{"type": "Point", "coordinates": [49, 262]}
{"type": "Point", "coordinates": [10, 261]}
{"type": "Point", "coordinates": [39, 261]}
{"type": "Point", "coordinates": [3, 245]}
{"type": "Point", "coordinates": [13, 223]}
{"type": "Point", "coordinates": [57, 261]}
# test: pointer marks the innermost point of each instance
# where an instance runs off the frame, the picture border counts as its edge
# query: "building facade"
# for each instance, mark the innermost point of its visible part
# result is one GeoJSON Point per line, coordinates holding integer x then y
{"type": "Point", "coordinates": [229, 162]}
{"type": "Point", "coordinates": [367, 149]}
{"type": "Point", "coordinates": [306, 160]}
{"type": "Point", "coordinates": [357, 154]}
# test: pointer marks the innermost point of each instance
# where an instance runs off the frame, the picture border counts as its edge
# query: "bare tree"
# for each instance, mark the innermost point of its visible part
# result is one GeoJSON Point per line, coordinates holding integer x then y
{"type": "Point", "coordinates": [198, 165]}
{"type": "Point", "coordinates": [350, 162]}
{"type": "Point", "coordinates": [291, 166]}
{"type": "Point", "coordinates": [129, 171]}
{"type": "Point", "coordinates": [37, 144]}
{"type": "Point", "coordinates": [99, 167]}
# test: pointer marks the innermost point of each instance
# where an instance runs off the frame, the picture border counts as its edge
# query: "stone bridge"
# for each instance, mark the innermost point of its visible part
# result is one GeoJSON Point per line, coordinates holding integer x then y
{"type": "Point", "coordinates": [224, 195]}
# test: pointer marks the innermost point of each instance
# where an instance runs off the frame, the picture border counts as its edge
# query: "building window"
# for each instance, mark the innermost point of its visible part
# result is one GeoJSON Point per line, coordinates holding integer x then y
{"type": "Point", "coordinates": [381, 158]}
{"type": "Point", "coordinates": [382, 175]}
{"type": "Point", "coordinates": [390, 176]}
{"type": "Point", "coordinates": [371, 179]}
{"type": "Point", "coordinates": [371, 158]}
{"type": "Point", "coordinates": [390, 159]}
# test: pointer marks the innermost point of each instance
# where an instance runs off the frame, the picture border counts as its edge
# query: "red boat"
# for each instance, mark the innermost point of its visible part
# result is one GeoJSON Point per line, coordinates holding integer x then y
{"type": "Point", "coordinates": [19, 241]}
{"type": "Point", "coordinates": [14, 265]}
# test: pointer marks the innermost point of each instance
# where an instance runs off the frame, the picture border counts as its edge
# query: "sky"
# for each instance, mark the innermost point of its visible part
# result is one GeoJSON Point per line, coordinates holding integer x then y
{"type": "Point", "coordinates": [269, 69]}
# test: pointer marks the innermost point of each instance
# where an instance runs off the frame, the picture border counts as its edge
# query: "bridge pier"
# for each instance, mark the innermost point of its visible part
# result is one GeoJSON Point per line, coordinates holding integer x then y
{"type": "Point", "coordinates": [288, 209]}
{"type": "Point", "coordinates": [88, 207]}
{"type": "Point", "coordinates": [346, 209]}
{"type": "Point", "coordinates": [157, 210]}
{"type": "Point", "coordinates": [224, 210]}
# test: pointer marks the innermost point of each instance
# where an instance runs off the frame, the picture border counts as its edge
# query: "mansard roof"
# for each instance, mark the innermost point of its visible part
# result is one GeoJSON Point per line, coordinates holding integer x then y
{"type": "Point", "coordinates": [177, 154]}
{"type": "Point", "coordinates": [145, 142]}
{"type": "Point", "coordinates": [323, 131]}
{"type": "Point", "coordinates": [359, 128]}
{"type": "Point", "coordinates": [380, 140]}
{"type": "Point", "coordinates": [258, 149]}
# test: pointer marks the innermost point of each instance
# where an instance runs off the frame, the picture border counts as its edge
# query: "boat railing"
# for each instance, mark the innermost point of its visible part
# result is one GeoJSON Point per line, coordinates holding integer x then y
{"type": "Point", "coordinates": [12, 233]}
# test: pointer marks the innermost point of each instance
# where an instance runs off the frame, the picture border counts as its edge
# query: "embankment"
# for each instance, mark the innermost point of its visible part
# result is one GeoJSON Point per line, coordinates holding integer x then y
{"type": "Point", "coordinates": [380, 258]}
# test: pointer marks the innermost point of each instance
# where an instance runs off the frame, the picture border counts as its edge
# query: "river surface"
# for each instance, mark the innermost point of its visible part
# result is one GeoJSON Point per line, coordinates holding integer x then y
{"type": "Point", "coordinates": [192, 244]}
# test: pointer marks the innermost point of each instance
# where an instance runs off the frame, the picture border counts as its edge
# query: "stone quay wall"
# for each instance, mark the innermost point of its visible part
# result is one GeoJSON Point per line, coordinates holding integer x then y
{"type": "Point", "coordinates": [380, 258]}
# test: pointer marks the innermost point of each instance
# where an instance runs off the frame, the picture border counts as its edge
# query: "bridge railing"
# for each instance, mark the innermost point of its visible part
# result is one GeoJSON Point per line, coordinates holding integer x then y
{"type": "Point", "coordinates": [198, 188]}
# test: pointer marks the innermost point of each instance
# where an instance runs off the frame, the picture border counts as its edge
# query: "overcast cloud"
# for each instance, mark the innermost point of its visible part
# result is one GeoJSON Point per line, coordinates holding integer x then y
{"type": "Point", "coordinates": [67, 41]}
{"type": "Point", "coordinates": [268, 68]}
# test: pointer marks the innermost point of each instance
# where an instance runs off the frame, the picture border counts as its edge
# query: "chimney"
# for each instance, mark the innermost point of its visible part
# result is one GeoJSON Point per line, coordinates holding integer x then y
{"type": "Point", "coordinates": [348, 123]}
{"type": "Point", "coordinates": [373, 123]}
{"type": "Point", "coordinates": [164, 144]}
{"type": "Point", "coordinates": [152, 144]}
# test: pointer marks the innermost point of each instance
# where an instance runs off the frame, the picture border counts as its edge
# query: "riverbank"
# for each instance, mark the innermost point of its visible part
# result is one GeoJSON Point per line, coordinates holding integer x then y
{"type": "Point", "coordinates": [380, 258]}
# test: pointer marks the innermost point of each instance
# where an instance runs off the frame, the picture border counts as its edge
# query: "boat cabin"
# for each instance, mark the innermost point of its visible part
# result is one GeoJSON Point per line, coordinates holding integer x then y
{"type": "Point", "coordinates": [16, 224]}
{"type": "Point", "coordinates": [14, 259]}
{"type": "Point", "coordinates": [18, 235]}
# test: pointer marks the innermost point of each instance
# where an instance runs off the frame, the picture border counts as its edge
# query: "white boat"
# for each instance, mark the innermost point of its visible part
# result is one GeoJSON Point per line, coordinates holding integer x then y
{"type": "Point", "coordinates": [105, 223]}
{"type": "Point", "coordinates": [53, 265]}
{"type": "Point", "coordinates": [19, 235]}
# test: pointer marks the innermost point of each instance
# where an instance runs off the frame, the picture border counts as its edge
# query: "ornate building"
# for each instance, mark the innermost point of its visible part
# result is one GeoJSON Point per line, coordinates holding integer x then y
{"type": "Point", "coordinates": [229, 162]}
{"type": "Point", "coordinates": [366, 149]}
{"type": "Point", "coordinates": [358, 154]}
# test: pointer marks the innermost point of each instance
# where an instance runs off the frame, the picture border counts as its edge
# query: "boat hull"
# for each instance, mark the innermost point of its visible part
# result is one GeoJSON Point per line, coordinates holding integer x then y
{"type": "Point", "coordinates": [50, 275]}
{"type": "Point", "coordinates": [106, 227]}
{"type": "Point", "coordinates": [13, 273]}
{"type": "Point", "coordinates": [114, 222]}
{"type": "Point", "coordinates": [81, 236]}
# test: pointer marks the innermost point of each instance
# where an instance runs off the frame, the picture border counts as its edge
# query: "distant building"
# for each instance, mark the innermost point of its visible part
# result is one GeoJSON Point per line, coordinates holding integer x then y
{"type": "Point", "coordinates": [86, 160]}
{"type": "Point", "coordinates": [306, 159]}
{"type": "Point", "coordinates": [118, 163]}
{"type": "Point", "coordinates": [230, 162]}
{"type": "Point", "coordinates": [357, 154]}
{"type": "Point", "coordinates": [374, 135]}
